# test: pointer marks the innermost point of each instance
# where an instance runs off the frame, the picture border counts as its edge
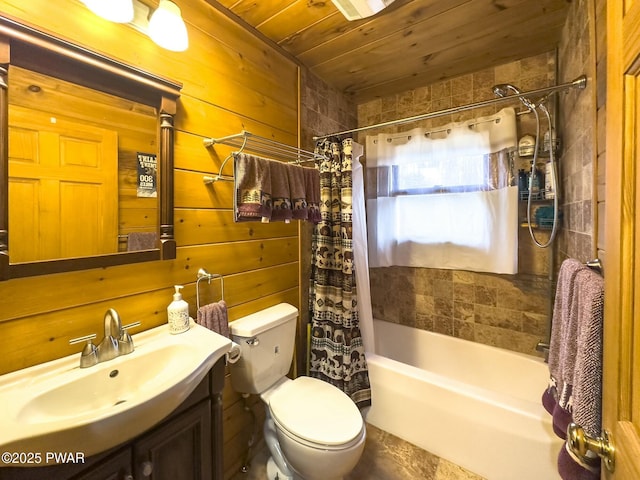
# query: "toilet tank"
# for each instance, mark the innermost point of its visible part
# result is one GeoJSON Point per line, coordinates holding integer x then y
{"type": "Point", "coordinates": [266, 340]}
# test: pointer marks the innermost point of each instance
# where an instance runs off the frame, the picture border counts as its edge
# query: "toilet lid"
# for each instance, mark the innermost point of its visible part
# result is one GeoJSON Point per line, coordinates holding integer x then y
{"type": "Point", "coordinates": [316, 411]}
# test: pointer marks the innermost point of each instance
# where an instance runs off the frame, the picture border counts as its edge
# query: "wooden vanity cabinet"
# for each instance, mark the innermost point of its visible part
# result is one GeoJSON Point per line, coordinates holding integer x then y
{"type": "Point", "coordinates": [116, 467]}
{"type": "Point", "coordinates": [179, 448]}
{"type": "Point", "coordinates": [187, 445]}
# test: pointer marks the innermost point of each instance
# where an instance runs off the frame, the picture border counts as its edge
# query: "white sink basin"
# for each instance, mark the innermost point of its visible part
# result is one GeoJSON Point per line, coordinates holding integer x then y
{"type": "Point", "coordinates": [59, 407]}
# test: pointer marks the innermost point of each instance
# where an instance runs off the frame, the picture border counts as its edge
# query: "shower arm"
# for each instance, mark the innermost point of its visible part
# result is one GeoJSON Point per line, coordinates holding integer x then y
{"type": "Point", "coordinates": [579, 83]}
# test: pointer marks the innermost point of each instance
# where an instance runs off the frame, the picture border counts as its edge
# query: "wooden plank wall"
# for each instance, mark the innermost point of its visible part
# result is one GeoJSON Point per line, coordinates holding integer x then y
{"type": "Point", "coordinates": [232, 81]}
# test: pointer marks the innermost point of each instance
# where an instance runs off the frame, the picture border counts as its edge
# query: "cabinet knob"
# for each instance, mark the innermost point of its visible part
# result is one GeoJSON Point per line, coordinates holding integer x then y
{"type": "Point", "coordinates": [128, 476]}
{"type": "Point", "coordinates": [147, 468]}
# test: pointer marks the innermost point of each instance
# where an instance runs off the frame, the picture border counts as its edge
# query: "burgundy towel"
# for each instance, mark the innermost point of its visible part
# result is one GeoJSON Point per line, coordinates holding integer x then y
{"type": "Point", "coordinates": [587, 381]}
{"type": "Point", "coordinates": [214, 317]}
{"type": "Point", "coordinates": [562, 416]}
{"type": "Point", "coordinates": [562, 348]}
{"type": "Point", "coordinates": [575, 387]}
{"type": "Point", "coordinates": [299, 208]}
{"type": "Point", "coordinates": [572, 468]}
{"type": "Point", "coordinates": [252, 185]}
{"type": "Point", "coordinates": [312, 191]}
{"type": "Point", "coordinates": [280, 194]}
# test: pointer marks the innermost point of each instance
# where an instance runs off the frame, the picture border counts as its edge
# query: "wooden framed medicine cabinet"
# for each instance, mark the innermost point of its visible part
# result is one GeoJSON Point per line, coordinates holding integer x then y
{"type": "Point", "coordinates": [51, 78]}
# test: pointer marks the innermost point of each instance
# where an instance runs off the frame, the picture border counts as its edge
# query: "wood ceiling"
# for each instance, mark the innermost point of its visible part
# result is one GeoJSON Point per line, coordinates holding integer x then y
{"type": "Point", "coordinates": [409, 44]}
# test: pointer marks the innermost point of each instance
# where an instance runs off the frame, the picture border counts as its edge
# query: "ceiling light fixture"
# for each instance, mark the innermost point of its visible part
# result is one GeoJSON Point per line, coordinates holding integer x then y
{"type": "Point", "coordinates": [119, 11]}
{"type": "Point", "coordinates": [167, 28]}
{"type": "Point", "coordinates": [357, 9]}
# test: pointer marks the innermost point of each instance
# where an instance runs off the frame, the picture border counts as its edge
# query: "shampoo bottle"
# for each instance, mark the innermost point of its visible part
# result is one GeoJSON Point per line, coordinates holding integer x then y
{"type": "Point", "coordinates": [178, 313]}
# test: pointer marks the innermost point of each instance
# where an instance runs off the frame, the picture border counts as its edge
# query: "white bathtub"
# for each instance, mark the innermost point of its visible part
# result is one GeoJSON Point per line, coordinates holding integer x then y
{"type": "Point", "coordinates": [474, 405]}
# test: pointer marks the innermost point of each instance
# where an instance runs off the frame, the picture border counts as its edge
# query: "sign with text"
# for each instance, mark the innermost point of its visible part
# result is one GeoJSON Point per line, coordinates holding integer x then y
{"type": "Point", "coordinates": [147, 175]}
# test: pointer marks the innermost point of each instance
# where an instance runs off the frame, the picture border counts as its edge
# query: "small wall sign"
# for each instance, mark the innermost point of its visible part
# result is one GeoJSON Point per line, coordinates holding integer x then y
{"type": "Point", "coordinates": [147, 175]}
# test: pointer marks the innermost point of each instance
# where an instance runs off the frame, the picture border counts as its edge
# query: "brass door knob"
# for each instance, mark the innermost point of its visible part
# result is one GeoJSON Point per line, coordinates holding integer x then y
{"type": "Point", "coordinates": [580, 443]}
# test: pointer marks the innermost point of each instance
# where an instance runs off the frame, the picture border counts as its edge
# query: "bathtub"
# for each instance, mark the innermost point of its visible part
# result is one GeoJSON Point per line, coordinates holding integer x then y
{"type": "Point", "coordinates": [474, 405]}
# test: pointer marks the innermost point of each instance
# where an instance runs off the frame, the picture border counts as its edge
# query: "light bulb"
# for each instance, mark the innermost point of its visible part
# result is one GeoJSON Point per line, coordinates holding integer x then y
{"type": "Point", "coordinates": [166, 27]}
{"type": "Point", "coordinates": [119, 11]}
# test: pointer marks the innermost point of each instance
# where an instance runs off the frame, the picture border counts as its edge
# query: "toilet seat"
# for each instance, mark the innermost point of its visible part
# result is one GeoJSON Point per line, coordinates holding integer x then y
{"type": "Point", "coordinates": [316, 413]}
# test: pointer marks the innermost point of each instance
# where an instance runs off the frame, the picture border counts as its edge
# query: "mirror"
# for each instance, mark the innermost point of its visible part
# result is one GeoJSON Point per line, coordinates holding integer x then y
{"type": "Point", "coordinates": [86, 158]}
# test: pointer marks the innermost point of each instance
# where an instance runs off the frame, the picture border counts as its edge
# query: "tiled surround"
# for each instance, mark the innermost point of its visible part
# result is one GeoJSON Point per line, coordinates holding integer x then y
{"type": "Point", "coordinates": [579, 131]}
{"type": "Point", "coordinates": [385, 457]}
{"type": "Point", "coordinates": [509, 311]}
{"type": "Point", "coordinates": [501, 310]}
{"type": "Point", "coordinates": [527, 74]}
{"type": "Point", "coordinates": [323, 109]}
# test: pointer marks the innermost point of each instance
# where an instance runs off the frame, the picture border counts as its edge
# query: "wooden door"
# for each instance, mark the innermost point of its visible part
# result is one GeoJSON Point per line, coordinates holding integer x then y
{"type": "Point", "coordinates": [63, 187]}
{"type": "Point", "coordinates": [621, 389]}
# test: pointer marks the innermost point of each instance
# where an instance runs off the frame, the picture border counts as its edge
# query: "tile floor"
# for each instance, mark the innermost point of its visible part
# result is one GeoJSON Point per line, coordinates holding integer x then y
{"type": "Point", "coordinates": [385, 457]}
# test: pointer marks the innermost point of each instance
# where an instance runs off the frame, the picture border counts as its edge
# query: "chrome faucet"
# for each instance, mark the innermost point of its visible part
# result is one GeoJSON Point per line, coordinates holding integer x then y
{"type": "Point", "coordinates": [116, 341]}
{"type": "Point", "coordinates": [108, 348]}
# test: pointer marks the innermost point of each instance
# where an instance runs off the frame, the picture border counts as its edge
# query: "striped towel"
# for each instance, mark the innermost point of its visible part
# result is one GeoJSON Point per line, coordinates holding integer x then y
{"type": "Point", "coordinates": [312, 191]}
{"type": "Point", "coordinates": [299, 208]}
{"type": "Point", "coordinates": [280, 193]}
{"type": "Point", "coordinates": [252, 188]}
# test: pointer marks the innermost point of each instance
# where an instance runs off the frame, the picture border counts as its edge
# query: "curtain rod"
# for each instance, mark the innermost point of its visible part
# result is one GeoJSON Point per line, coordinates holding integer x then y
{"type": "Point", "coordinates": [580, 83]}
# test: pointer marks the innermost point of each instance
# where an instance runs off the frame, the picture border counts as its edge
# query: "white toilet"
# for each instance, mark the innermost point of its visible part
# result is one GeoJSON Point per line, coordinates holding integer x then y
{"type": "Point", "coordinates": [313, 430]}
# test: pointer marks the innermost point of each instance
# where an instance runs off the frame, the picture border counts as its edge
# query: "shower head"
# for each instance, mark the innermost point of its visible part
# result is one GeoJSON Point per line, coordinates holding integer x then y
{"type": "Point", "coordinates": [541, 102]}
{"type": "Point", "coordinates": [502, 89]}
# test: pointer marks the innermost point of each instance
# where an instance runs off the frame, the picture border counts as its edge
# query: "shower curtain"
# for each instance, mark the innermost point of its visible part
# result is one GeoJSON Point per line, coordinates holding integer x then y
{"type": "Point", "coordinates": [445, 198]}
{"type": "Point", "coordinates": [337, 351]}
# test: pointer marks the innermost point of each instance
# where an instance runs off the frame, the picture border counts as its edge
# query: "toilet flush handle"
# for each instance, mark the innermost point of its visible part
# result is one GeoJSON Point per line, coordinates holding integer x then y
{"type": "Point", "coordinates": [253, 342]}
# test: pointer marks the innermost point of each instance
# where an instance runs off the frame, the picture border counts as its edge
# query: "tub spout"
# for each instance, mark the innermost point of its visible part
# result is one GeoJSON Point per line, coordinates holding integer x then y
{"type": "Point", "coordinates": [543, 347]}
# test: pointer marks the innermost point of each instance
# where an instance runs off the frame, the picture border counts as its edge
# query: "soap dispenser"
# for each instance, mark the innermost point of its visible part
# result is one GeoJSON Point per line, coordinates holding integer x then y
{"type": "Point", "coordinates": [178, 313]}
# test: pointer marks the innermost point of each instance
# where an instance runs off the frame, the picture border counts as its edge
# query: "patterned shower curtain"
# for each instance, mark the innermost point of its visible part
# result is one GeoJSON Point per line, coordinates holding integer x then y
{"type": "Point", "coordinates": [337, 351]}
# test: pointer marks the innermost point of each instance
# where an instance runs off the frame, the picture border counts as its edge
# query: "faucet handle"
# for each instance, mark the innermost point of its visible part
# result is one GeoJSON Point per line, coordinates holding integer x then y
{"type": "Point", "coordinates": [89, 355]}
{"type": "Point", "coordinates": [131, 325]}
{"type": "Point", "coordinates": [86, 338]}
{"type": "Point", "coordinates": [125, 341]}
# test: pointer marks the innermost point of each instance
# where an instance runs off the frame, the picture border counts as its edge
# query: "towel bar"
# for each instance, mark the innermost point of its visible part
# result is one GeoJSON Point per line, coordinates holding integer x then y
{"type": "Point", "coordinates": [255, 143]}
{"type": "Point", "coordinates": [596, 264]}
{"type": "Point", "coordinates": [202, 274]}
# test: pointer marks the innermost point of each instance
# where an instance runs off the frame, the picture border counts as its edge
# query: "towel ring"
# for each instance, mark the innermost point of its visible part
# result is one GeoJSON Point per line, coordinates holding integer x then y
{"type": "Point", "coordinates": [202, 274]}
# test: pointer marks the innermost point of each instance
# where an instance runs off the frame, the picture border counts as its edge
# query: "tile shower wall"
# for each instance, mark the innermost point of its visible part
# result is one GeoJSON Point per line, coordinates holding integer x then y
{"type": "Point", "coordinates": [323, 110]}
{"type": "Point", "coordinates": [509, 311]}
{"type": "Point", "coordinates": [505, 311]}
{"type": "Point", "coordinates": [581, 118]}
